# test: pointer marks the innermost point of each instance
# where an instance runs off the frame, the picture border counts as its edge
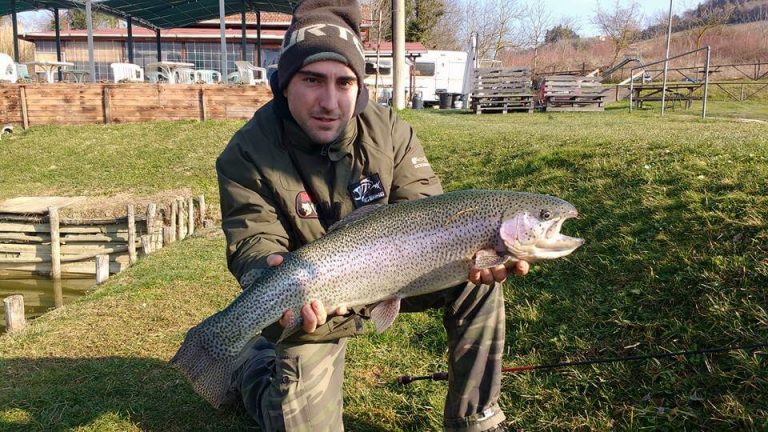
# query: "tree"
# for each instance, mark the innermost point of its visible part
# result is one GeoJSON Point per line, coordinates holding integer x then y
{"type": "Point", "coordinates": [493, 23]}
{"type": "Point", "coordinates": [621, 25]}
{"type": "Point", "coordinates": [708, 17]}
{"type": "Point", "coordinates": [558, 33]}
{"type": "Point", "coordinates": [534, 20]}
{"type": "Point", "coordinates": [422, 18]}
{"type": "Point", "coordinates": [75, 19]}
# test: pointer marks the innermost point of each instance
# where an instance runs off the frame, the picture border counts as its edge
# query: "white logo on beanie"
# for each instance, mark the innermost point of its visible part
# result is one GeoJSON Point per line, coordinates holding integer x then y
{"type": "Point", "coordinates": [344, 33]}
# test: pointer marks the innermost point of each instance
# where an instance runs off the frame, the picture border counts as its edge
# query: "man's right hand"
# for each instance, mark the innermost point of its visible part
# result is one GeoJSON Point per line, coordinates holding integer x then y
{"type": "Point", "coordinates": [312, 315]}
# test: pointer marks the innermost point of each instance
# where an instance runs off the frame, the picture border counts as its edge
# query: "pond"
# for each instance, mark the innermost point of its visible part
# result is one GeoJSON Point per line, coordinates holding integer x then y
{"type": "Point", "coordinates": [42, 294]}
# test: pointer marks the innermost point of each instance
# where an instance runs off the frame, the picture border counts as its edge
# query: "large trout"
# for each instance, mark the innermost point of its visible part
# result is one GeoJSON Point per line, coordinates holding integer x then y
{"type": "Point", "coordinates": [377, 256]}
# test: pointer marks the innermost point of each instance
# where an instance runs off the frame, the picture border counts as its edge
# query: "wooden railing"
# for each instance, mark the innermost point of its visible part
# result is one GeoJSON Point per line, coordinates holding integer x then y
{"type": "Point", "coordinates": [66, 103]}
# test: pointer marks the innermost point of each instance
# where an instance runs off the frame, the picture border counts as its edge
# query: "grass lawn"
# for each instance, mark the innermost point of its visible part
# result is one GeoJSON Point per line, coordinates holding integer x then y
{"type": "Point", "coordinates": [676, 258]}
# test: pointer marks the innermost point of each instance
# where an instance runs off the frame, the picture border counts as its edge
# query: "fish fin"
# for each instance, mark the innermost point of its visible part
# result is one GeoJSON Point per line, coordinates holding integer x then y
{"type": "Point", "coordinates": [209, 372]}
{"type": "Point", "coordinates": [355, 215]}
{"type": "Point", "coordinates": [487, 258]}
{"type": "Point", "coordinates": [293, 326]}
{"type": "Point", "coordinates": [383, 314]}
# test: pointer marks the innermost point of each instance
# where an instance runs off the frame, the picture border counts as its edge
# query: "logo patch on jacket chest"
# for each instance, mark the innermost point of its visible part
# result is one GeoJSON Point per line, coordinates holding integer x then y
{"type": "Point", "coordinates": [367, 190]}
{"type": "Point", "coordinates": [305, 208]}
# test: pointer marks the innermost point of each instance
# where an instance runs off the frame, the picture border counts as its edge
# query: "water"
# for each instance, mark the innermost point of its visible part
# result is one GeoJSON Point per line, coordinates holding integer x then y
{"type": "Point", "coordinates": [42, 295]}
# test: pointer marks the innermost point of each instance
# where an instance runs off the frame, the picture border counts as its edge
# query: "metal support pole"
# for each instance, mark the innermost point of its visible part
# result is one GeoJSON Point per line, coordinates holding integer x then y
{"type": "Point", "coordinates": [243, 44]}
{"type": "Point", "coordinates": [157, 42]}
{"type": "Point", "coordinates": [57, 25]}
{"type": "Point", "coordinates": [258, 39]}
{"type": "Point", "coordinates": [91, 59]}
{"type": "Point", "coordinates": [706, 84]}
{"type": "Point", "coordinates": [631, 87]}
{"type": "Point", "coordinates": [129, 21]}
{"type": "Point", "coordinates": [15, 24]}
{"type": "Point", "coordinates": [398, 53]}
{"type": "Point", "coordinates": [223, 29]}
{"type": "Point", "coordinates": [666, 60]}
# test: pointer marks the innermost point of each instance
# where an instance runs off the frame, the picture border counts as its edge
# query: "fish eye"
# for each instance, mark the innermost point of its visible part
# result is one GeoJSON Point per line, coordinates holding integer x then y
{"type": "Point", "coordinates": [545, 215]}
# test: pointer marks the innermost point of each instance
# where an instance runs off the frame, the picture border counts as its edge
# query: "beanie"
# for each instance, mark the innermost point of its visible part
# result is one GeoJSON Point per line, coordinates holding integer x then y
{"type": "Point", "coordinates": [324, 30]}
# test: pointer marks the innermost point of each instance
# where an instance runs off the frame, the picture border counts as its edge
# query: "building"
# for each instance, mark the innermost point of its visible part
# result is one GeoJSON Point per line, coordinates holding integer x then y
{"type": "Point", "coordinates": [199, 44]}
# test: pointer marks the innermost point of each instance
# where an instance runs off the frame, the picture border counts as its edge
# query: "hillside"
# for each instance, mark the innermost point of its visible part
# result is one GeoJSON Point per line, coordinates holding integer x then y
{"type": "Point", "coordinates": [731, 44]}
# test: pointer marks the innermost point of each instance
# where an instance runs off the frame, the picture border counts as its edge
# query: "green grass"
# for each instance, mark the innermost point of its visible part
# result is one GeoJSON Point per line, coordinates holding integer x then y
{"type": "Point", "coordinates": [673, 213]}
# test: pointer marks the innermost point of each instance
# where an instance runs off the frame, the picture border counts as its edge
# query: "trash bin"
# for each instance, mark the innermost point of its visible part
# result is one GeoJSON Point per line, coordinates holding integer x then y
{"type": "Point", "coordinates": [417, 102]}
{"type": "Point", "coordinates": [446, 100]}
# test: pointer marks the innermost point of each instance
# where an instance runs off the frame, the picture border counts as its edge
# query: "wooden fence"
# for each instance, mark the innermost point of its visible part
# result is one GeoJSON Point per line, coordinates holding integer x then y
{"type": "Point", "coordinates": [67, 103]}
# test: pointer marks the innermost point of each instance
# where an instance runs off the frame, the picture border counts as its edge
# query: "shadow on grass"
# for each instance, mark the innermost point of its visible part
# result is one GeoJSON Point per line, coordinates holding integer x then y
{"type": "Point", "coordinates": [114, 393]}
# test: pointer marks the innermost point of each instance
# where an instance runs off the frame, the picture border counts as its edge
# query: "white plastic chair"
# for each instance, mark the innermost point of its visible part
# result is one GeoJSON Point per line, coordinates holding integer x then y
{"type": "Point", "coordinates": [156, 77]}
{"type": "Point", "coordinates": [251, 74]}
{"type": "Point", "coordinates": [8, 69]}
{"type": "Point", "coordinates": [184, 76]}
{"type": "Point", "coordinates": [207, 76]}
{"type": "Point", "coordinates": [130, 72]}
{"type": "Point", "coordinates": [22, 72]}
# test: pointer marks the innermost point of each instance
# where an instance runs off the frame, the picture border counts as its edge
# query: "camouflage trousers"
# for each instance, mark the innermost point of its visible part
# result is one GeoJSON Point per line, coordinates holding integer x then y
{"type": "Point", "coordinates": [298, 386]}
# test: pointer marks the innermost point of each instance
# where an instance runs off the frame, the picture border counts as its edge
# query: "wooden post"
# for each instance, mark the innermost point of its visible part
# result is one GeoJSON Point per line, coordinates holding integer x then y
{"type": "Point", "coordinates": [58, 294]}
{"type": "Point", "coordinates": [102, 268]}
{"type": "Point", "coordinates": [203, 108]}
{"type": "Point", "coordinates": [131, 234]}
{"type": "Point", "coordinates": [180, 225]}
{"type": "Point", "coordinates": [191, 214]}
{"type": "Point", "coordinates": [105, 102]}
{"type": "Point", "coordinates": [14, 313]}
{"type": "Point", "coordinates": [53, 220]}
{"type": "Point", "coordinates": [24, 113]}
{"type": "Point", "coordinates": [201, 203]}
{"type": "Point", "coordinates": [168, 233]}
{"type": "Point", "coordinates": [174, 212]}
{"type": "Point", "coordinates": [146, 244]}
{"type": "Point", "coordinates": [151, 231]}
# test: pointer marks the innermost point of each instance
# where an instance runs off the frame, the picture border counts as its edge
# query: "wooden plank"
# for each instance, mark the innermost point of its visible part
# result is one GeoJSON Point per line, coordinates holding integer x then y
{"type": "Point", "coordinates": [36, 205]}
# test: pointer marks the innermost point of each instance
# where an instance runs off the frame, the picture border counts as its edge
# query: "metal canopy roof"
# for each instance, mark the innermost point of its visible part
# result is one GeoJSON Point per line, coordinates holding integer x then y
{"type": "Point", "coordinates": [180, 13]}
{"type": "Point", "coordinates": [30, 5]}
{"type": "Point", "coordinates": [156, 14]}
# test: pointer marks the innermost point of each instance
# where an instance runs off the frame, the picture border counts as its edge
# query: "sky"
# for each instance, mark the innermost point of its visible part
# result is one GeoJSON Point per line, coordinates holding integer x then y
{"type": "Point", "coordinates": [580, 11]}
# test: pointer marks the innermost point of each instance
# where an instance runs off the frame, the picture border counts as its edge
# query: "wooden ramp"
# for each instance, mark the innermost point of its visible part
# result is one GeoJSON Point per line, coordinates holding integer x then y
{"type": "Point", "coordinates": [501, 90]}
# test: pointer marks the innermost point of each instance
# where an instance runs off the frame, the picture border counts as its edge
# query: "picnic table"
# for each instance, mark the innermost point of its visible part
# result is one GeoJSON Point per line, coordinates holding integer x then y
{"type": "Point", "coordinates": [677, 91]}
{"type": "Point", "coordinates": [77, 75]}
{"type": "Point", "coordinates": [50, 67]}
{"type": "Point", "coordinates": [168, 68]}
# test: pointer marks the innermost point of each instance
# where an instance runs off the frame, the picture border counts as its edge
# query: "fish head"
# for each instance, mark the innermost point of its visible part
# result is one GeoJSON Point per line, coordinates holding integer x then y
{"type": "Point", "coordinates": [532, 232]}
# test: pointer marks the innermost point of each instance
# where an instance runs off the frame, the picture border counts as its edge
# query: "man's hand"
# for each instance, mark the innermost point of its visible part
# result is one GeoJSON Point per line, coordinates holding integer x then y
{"type": "Point", "coordinates": [312, 315]}
{"type": "Point", "coordinates": [497, 274]}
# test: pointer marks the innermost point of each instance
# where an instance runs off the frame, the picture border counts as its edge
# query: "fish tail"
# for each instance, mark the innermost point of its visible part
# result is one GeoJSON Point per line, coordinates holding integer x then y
{"type": "Point", "coordinates": [210, 372]}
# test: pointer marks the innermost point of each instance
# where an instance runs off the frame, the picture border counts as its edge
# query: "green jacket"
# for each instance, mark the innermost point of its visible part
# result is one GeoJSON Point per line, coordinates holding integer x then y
{"type": "Point", "coordinates": [271, 206]}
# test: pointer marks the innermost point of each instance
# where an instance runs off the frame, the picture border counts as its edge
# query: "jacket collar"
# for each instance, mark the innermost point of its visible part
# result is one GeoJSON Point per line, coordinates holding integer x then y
{"type": "Point", "coordinates": [297, 139]}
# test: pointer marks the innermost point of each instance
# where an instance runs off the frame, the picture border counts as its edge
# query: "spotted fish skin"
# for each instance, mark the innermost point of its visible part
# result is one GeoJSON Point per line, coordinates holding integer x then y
{"type": "Point", "coordinates": [392, 252]}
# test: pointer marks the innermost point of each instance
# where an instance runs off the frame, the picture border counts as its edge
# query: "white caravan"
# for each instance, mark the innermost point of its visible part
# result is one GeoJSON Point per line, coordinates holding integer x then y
{"type": "Point", "coordinates": [432, 72]}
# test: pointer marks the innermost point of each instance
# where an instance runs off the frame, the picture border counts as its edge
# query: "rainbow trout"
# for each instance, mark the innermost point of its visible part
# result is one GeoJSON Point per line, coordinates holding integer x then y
{"type": "Point", "coordinates": [377, 256]}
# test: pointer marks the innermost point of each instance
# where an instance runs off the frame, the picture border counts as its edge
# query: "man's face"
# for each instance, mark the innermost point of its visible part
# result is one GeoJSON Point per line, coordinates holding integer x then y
{"type": "Point", "coordinates": [321, 97]}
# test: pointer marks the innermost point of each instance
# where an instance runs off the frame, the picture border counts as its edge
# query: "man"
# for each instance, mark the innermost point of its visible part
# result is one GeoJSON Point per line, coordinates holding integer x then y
{"type": "Point", "coordinates": [308, 158]}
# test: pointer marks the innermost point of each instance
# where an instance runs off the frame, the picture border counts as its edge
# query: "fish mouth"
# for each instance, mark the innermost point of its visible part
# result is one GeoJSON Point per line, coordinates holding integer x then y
{"type": "Point", "coordinates": [553, 243]}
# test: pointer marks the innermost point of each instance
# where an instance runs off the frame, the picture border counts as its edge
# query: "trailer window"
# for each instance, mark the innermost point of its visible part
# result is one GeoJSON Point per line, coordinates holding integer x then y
{"type": "Point", "coordinates": [385, 68]}
{"type": "Point", "coordinates": [425, 69]}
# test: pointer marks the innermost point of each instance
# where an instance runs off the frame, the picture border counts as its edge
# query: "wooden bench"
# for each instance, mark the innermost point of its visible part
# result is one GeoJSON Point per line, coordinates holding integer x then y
{"type": "Point", "coordinates": [501, 90]}
{"type": "Point", "coordinates": [572, 93]}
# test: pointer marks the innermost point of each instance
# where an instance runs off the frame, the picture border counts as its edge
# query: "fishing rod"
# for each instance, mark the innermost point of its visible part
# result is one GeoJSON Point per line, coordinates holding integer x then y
{"type": "Point", "coordinates": [443, 376]}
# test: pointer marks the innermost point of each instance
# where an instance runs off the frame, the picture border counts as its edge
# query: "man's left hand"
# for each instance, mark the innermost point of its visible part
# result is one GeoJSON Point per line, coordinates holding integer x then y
{"type": "Point", "coordinates": [497, 274]}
